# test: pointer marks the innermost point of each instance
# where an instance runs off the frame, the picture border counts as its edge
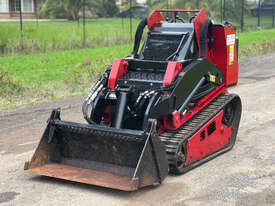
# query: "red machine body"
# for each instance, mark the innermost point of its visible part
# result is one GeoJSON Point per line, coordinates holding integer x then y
{"type": "Point", "coordinates": [165, 107]}
{"type": "Point", "coordinates": [223, 54]}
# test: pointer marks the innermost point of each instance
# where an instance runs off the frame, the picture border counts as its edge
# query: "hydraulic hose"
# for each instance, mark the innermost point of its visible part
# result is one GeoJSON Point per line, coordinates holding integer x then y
{"type": "Point", "coordinates": [95, 91]}
{"type": "Point", "coordinates": [138, 35]}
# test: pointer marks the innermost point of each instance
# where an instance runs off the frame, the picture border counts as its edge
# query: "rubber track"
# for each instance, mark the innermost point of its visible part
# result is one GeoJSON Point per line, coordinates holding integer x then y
{"type": "Point", "coordinates": [174, 138]}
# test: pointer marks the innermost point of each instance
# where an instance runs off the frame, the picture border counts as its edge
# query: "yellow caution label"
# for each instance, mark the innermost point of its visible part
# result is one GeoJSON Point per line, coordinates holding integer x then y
{"type": "Point", "coordinates": [231, 54]}
{"type": "Point", "coordinates": [212, 78]}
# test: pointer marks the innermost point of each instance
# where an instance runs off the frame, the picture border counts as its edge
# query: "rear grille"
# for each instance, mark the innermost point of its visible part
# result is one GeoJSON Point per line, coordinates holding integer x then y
{"type": "Point", "coordinates": [141, 76]}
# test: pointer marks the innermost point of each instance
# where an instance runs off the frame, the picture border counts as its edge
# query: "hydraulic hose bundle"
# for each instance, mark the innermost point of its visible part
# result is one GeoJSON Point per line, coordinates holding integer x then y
{"type": "Point", "coordinates": [95, 90]}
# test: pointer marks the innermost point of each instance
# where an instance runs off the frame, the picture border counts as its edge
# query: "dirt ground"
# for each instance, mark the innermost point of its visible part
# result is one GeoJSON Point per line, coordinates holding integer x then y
{"type": "Point", "coordinates": [244, 176]}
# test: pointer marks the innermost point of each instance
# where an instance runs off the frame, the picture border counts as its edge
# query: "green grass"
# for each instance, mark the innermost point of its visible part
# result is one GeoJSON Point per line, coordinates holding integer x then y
{"type": "Point", "coordinates": [256, 42]}
{"type": "Point", "coordinates": [39, 77]}
{"type": "Point", "coordinates": [247, 38]}
{"type": "Point", "coordinates": [63, 35]}
{"type": "Point", "coordinates": [50, 67]}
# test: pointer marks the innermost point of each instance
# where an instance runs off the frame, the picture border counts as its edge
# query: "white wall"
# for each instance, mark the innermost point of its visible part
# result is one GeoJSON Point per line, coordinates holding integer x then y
{"type": "Point", "coordinates": [118, 2]}
{"type": "Point", "coordinates": [4, 6]}
{"type": "Point", "coordinates": [27, 5]}
{"type": "Point", "coordinates": [141, 1]}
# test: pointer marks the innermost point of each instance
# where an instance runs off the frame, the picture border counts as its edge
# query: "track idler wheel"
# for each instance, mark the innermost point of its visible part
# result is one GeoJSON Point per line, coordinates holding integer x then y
{"type": "Point", "coordinates": [229, 114]}
{"type": "Point", "coordinates": [232, 117]}
{"type": "Point", "coordinates": [179, 166]}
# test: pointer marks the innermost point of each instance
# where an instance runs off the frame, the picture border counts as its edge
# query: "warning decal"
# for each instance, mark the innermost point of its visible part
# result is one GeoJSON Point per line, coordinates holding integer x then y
{"type": "Point", "coordinates": [230, 40]}
{"type": "Point", "coordinates": [231, 55]}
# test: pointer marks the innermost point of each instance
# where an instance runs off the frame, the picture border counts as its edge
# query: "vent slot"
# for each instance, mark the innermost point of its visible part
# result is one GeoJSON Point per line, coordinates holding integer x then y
{"type": "Point", "coordinates": [211, 128]}
{"type": "Point", "coordinates": [202, 135]}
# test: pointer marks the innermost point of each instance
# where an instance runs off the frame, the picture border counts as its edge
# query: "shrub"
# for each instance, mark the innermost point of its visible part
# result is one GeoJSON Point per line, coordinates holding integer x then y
{"type": "Point", "coordinates": [9, 86]}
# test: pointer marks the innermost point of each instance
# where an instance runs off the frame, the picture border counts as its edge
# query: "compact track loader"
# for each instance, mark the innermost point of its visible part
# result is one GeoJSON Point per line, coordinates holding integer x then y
{"type": "Point", "coordinates": [163, 109]}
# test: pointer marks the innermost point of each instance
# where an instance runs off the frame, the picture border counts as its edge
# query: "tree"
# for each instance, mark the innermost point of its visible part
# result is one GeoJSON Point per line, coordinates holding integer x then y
{"type": "Point", "coordinates": [61, 9]}
{"type": "Point", "coordinates": [103, 8]}
{"type": "Point", "coordinates": [70, 9]}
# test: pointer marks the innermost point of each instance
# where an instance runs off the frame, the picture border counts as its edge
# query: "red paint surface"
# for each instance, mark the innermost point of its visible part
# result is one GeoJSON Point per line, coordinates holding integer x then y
{"type": "Point", "coordinates": [198, 149]}
{"type": "Point", "coordinates": [119, 67]}
{"type": "Point", "coordinates": [232, 71]}
{"type": "Point", "coordinates": [172, 71]}
{"type": "Point", "coordinates": [221, 54]}
{"type": "Point", "coordinates": [154, 18]}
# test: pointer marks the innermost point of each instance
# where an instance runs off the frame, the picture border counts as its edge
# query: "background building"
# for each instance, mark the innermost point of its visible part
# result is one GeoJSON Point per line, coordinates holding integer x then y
{"type": "Point", "coordinates": [10, 8]}
{"type": "Point", "coordinates": [120, 2]}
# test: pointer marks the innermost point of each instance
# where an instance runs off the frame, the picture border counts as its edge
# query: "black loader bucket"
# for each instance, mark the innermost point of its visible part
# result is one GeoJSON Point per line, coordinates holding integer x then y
{"type": "Point", "coordinates": [98, 155]}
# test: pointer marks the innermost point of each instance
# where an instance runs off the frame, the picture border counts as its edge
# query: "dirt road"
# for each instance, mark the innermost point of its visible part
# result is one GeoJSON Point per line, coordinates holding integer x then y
{"type": "Point", "coordinates": [243, 177]}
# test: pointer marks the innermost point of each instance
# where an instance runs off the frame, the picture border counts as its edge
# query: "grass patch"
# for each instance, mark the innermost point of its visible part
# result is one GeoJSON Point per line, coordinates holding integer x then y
{"type": "Point", "coordinates": [39, 77]}
{"type": "Point", "coordinates": [8, 85]}
{"type": "Point", "coordinates": [63, 35]}
{"type": "Point", "coordinates": [257, 42]}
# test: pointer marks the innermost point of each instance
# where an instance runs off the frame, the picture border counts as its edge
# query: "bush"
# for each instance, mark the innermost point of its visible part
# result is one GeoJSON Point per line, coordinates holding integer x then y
{"type": "Point", "coordinates": [52, 10]}
{"type": "Point", "coordinates": [70, 9]}
{"type": "Point", "coordinates": [9, 86]}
